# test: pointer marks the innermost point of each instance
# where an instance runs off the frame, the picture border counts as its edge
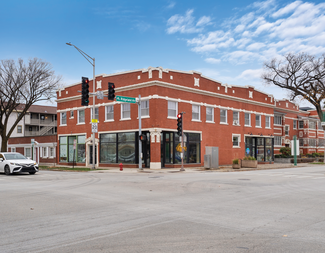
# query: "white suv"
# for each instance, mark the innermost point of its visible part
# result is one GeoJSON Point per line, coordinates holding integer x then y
{"type": "Point", "coordinates": [11, 162]}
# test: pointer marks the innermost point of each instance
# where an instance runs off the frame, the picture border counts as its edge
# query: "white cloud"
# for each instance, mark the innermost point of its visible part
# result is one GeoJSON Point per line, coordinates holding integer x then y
{"type": "Point", "coordinates": [250, 74]}
{"type": "Point", "coordinates": [287, 9]}
{"type": "Point", "coordinates": [265, 31]}
{"type": "Point", "coordinates": [171, 5]}
{"type": "Point", "coordinates": [204, 21]}
{"type": "Point", "coordinates": [185, 24]}
{"type": "Point", "coordinates": [255, 46]}
{"type": "Point", "coordinates": [212, 60]}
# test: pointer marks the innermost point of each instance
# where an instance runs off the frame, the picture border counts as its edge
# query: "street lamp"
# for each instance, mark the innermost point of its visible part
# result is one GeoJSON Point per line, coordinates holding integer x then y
{"type": "Point", "coordinates": [88, 58]}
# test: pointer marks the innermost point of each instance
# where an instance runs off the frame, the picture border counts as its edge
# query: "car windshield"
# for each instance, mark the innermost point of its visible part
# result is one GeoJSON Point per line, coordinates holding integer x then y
{"type": "Point", "coordinates": [14, 156]}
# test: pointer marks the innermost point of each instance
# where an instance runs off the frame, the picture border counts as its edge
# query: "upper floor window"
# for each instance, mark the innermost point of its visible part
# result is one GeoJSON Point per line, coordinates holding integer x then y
{"type": "Point", "coordinates": [295, 124]}
{"type": "Point", "coordinates": [109, 115]}
{"type": "Point", "coordinates": [286, 130]}
{"type": "Point", "coordinates": [195, 112]}
{"type": "Point", "coordinates": [125, 111]}
{"type": "Point", "coordinates": [277, 141]}
{"type": "Point", "coordinates": [301, 124]}
{"type": "Point", "coordinates": [267, 122]}
{"type": "Point", "coordinates": [63, 118]}
{"type": "Point", "coordinates": [223, 116]}
{"type": "Point", "coordinates": [172, 109]}
{"type": "Point", "coordinates": [71, 114]}
{"type": "Point", "coordinates": [258, 120]}
{"type": "Point", "coordinates": [81, 116]}
{"type": "Point", "coordinates": [19, 129]}
{"type": "Point", "coordinates": [236, 140]}
{"type": "Point", "coordinates": [235, 118]}
{"type": "Point", "coordinates": [277, 120]}
{"type": "Point", "coordinates": [209, 114]}
{"type": "Point", "coordinates": [144, 108]}
{"type": "Point", "coordinates": [312, 124]}
{"type": "Point", "coordinates": [247, 119]}
{"type": "Point", "coordinates": [96, 113]}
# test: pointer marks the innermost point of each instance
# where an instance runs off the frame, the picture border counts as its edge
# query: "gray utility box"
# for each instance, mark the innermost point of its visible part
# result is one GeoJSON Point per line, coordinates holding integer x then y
{"type": "Point", "coordinates": [211, 158]}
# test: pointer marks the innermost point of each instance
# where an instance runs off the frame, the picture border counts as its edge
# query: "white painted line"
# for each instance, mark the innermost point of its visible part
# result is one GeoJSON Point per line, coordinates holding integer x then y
{"type": "Point", "coordinates": [319, 178]}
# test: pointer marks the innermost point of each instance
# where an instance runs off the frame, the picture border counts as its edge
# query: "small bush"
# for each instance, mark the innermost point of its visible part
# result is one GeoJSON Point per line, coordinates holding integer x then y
{"type": "Point", "coordinates": [235, 161]}
{"type": "Point", "coordinates": [252, 158]}
{"type": "Point", "coordinates": [277, 156]}
{"type": "Point", "coordinates": [285, 151]}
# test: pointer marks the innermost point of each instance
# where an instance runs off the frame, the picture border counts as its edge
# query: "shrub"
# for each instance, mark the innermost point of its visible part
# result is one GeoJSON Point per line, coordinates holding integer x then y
{"type": "Point", "coordinates": [315, 154]}
{"type": "Point", "coordinates": [249, 158]}
{"type": "Point", "coordinates": [277, 156]}
{"type": "Point", "coordinates": [285, 151]}
{"type": "Point", "coordinates": [235, 161]}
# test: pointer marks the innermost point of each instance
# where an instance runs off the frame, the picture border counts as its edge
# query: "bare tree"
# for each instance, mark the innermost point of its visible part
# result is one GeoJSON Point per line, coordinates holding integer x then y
{"type": "Point", "coordinates": [22, 85]}
{"type": "Point", "coordinates": [302, 74]}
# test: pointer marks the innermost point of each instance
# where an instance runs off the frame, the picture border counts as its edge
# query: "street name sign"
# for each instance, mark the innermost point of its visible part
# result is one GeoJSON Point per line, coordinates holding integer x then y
{"type": "Point", "coordinates": [126, 99]}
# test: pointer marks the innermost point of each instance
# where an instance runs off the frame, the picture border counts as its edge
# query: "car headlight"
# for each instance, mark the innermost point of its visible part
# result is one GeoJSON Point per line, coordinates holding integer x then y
{"type": "Point", "coordinates": [35, 163]}
{"type": "Point", "coordinates": [17, 164]}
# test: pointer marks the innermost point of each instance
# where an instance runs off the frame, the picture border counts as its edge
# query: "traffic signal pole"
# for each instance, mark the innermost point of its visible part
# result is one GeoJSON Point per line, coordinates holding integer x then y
{"type": "Point", "coordinates": [88, 58]}
{"type": "Point", "coordinates": [140, 132]}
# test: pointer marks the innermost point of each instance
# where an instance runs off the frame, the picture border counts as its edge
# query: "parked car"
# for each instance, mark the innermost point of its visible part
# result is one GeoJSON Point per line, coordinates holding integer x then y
{"type": "Point", "coordinates": [11, 162]}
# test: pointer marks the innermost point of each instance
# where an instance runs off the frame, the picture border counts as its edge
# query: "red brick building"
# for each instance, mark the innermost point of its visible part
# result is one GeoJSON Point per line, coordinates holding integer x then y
{"type": "Point", "coordinates": [239, 120]}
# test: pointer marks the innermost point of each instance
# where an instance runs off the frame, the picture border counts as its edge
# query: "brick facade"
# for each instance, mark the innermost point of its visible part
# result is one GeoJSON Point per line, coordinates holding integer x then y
{"type": "Point", "coordinates": [188, 91]}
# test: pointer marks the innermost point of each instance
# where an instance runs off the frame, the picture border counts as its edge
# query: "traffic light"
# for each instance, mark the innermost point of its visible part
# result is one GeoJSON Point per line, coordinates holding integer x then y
{"type": "Point", "coordinates": [111, 91]}
{"type": "Point", "coordinates": [85, 91]}
{"type": "Point", "coordinates": [179, 124]}
{"type": "Point", "coordinates": [143, 137]}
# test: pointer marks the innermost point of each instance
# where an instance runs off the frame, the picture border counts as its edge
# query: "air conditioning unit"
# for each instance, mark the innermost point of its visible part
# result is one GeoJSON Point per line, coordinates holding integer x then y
{"type": "Point", "coordinates": [236, 123]}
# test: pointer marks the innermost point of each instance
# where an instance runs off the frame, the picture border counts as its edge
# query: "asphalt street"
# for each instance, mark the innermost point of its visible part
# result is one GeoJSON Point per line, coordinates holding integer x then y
{"type": "Point", "coordinates": [280, 210]}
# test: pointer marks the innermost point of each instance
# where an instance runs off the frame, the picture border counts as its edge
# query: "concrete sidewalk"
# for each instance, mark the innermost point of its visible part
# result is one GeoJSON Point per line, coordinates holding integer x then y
{"type": "Point", "coordinates": [201, 169]}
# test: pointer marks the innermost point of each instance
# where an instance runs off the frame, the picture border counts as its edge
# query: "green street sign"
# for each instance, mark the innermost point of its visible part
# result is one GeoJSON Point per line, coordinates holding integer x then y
{"type": "Point", "coordinates": [126, 99]}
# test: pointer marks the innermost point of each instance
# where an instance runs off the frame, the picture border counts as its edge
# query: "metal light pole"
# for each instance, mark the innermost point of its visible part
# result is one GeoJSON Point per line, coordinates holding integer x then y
{"type": "Point", "coordinates": [87, 57]}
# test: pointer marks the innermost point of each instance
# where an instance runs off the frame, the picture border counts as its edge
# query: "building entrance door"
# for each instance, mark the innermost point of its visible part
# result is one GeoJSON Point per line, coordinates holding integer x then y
{"type": "Point", "coordinates": [146, 150]}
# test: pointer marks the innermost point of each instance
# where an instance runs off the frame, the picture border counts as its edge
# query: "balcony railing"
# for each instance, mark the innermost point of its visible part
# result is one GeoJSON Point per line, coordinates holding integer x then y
{"type": "Point", "coordinates": [42, 122]}
{"type": "Point", "coordinates": [39, 133]}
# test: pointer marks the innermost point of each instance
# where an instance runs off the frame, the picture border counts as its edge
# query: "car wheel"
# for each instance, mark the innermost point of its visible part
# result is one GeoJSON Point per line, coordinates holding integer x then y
{"type": "Point", "coordinates": [32, 173]}
{"type": "Point", "coordinates": [7, 170]}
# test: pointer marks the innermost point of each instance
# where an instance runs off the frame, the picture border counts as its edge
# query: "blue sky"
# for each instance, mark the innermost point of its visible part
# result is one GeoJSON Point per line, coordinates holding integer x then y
{"type": "Point", "coordinates": [224, 40]}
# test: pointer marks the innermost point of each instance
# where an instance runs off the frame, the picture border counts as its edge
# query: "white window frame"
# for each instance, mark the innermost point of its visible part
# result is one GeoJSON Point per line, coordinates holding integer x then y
{"type": "Point", "coordinates": [79, 122]}
{"type": "Point", "coordinates": [21, 129]}
{"type": "Point", "coordinates": [212, 115]}
{"type": "Point", "coordinates": [49, 152]}
{"type": "Point", "coordinates": [276, 137]}
{"type": "Point", "coordinates": [225, 116]}
{"type": "Point", "coordinates": [249, 119]}
{"type": "Point", "coordinates": [287, 126]}
{"type": "Point", "coordinates": [30, 152]}
{"type": "Point", "coordinates": [235, 122]}
{"type": "Point", "coordinates": [275, 120]}
{"type": "Point", "coordinates": [196, 113]}
{"type": "Point", "coordinates": [260, 118]}
{"type": "Point", "coordinates": [239, 140]}
{"type": "Point", "coordinates": [123, 110]}
{"type": "Point", "coordinates": [145, 109]}
{"type": "Point", "coordinates": [106, 111]}
{"type": "Point", "coordinates": [71, 114]}
{"type": "Point", "coordinates": [299, 124]}
{"type": "Point", "coordinates": [295, 123]}
{"type": "Point", "coordinates": [44, 152]}
{"type": "Point", "coordinates": [61, 114]}
{"type": "Point", "coordinates": [96, 114]}
{"type": "Point", "coordinates": [13, 149]}
{"type": "Point", "coordinates": [267, 122]}
{"type": "Point", "coordinates": [176, 110]}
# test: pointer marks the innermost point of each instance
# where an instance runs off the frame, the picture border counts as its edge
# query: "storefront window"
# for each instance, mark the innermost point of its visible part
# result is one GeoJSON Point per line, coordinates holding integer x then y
{"type": "Point", "coordinates": [126, 148]}
{"type": "Point", "coordinates": [108, 148]}
{"type": "Point", "coordinates": [268, 150]}
{"type": "Point", "coordinates": [260, 149]}
{"type": "Point", "coordinates": [67, 151]}
{"type": "Point", "coordinates": [172, 142]}
{"type": "Point", "coordinates": [63, 149]}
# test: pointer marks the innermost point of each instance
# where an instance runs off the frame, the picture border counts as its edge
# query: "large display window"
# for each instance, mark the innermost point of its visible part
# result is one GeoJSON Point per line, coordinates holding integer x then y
{"type": "Point", "coordinates": [67, 151]}
{"type": "Point", "coordinates": [259, 147]}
